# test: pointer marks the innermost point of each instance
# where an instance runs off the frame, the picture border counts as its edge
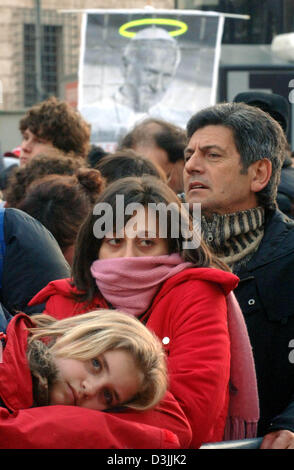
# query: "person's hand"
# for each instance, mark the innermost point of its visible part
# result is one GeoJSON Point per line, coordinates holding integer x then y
{"type": "Point", "coordinates": [282, 439]}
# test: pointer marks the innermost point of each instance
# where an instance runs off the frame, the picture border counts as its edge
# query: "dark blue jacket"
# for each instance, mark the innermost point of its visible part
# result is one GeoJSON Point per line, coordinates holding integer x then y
{"type": "Point", "coordinates": [266, 297]}
{"type": "Point", "coordinates": [29, 258]}
{"type": "Point", "coordinates": [5, 317]}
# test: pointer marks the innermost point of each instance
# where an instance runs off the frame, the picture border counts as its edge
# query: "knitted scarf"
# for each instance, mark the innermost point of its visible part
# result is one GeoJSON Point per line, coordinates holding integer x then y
{"type": "Point", "coordinates": [130, 284]}
{"type": "Point", "coordinates": [234, 237]}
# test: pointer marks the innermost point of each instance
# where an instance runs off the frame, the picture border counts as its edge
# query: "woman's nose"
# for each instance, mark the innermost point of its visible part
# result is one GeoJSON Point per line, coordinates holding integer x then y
{"type": "Point", "coordinates": [129, 249]}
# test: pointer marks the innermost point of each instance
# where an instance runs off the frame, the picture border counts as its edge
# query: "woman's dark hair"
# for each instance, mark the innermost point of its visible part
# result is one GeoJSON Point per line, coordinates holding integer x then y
{"type": "Point", "coordinates": [145, 191]}
{"type": "Point", "coordinates": [95, 154]}
{"type": "Point", "coordinates": [38, 167]}
{"type": "Point", "coordinates": [62, 202]}
{"type": "Point", "coordinates": [126, 163]}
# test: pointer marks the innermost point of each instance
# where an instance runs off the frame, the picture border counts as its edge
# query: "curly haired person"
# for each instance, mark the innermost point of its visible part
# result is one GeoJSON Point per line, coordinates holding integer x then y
{"type": "Point", "coordinates": [53, 124]}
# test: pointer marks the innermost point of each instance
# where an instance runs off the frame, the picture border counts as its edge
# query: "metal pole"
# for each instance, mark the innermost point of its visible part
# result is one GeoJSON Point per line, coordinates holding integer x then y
{"type": "Point", "coordinates": [38, 50]}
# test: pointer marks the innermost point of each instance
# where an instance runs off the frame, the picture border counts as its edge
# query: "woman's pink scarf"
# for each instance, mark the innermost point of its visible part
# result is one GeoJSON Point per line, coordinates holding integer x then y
{"type": "Point", "coordinates": [130, 285]}
{"type": "Point", "coordinates": [243, 412]}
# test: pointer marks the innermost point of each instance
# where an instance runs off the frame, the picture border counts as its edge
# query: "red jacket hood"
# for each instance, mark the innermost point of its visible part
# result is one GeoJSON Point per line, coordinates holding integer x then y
{"type": "Point", "coordinates": [63, 287]}
{"type": "Point", "coordinates": [226, 280]}
{"type": "Point", "coordinates": [15, 376]}
{"type": "Point", "coordinates": [60, 286]}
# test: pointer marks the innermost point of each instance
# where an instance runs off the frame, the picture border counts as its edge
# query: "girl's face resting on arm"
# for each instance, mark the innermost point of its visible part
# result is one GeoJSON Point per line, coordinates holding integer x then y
{"type": "Point", "coordinates": [140, 237]}
{"type": "Point", "coordinates": [107, 381]}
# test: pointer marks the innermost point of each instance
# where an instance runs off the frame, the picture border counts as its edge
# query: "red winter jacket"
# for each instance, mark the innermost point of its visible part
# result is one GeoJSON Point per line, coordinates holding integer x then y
{"type": "Point", "coordinates": [190, 312]}
{"type": "Point", "coordinates": [71, 427]}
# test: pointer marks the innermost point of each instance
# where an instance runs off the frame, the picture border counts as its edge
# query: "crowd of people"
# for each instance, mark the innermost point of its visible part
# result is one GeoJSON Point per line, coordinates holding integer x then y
{"type": "Point", "coordinates": [140, 320]}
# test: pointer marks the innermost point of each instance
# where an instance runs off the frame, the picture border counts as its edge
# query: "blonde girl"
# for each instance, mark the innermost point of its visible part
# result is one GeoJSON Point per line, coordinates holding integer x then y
{"type": "Point", "coordinates": [99, 360]}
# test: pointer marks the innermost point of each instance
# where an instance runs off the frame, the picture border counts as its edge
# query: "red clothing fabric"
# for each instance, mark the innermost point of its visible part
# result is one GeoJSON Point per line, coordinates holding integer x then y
{"type": "Point", "coordinates": [71, 427]}
{"type": "Point", "coordinates": [15, 375]}
{"type": "Point", "coordinates": [190, 314]}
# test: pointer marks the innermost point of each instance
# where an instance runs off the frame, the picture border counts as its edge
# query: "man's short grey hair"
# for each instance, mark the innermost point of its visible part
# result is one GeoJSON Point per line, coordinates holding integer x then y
{"type": "Point", "coordinates": [256, 135]}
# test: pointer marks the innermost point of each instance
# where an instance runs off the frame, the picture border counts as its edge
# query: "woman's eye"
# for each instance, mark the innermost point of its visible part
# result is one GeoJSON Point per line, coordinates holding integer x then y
{"type": "Point", "coordinates": [96, 364]}
{"type": "Point", "coordinates": [146, 242]}
{"type": "Point", "coordinates": [114, 241]}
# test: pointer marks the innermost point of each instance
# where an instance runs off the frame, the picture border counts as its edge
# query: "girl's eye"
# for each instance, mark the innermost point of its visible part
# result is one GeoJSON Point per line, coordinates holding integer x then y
{"type": "Point", "coordinates": [96, 364]}
{"type": "Point", "coordinates": [108, 397]}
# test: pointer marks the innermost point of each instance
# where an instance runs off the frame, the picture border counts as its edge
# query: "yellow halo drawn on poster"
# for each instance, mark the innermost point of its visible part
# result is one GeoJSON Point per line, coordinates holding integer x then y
{"type": "Point", "coordinates": [180, 25]}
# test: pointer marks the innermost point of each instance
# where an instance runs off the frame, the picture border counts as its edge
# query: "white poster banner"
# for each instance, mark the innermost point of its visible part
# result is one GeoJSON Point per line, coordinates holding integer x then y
{"type": "Point", "coordinates": [136, 64]}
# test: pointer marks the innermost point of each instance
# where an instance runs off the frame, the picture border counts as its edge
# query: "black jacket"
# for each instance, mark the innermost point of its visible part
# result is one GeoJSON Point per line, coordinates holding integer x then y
{"type": "Point", "coordinates": [29, 258]}
{"type": "Point", "coordinates": [266, 297]}
{"type": "Point", "coordinates": [285, 195]}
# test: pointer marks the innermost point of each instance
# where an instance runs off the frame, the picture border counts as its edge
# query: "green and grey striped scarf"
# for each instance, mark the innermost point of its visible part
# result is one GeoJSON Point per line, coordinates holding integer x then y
{"type": "Point", "coordinates": [234, 237]}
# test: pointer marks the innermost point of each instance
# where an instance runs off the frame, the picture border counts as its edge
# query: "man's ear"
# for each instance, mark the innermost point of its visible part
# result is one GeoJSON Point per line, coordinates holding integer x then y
{"type": "Point", "coordinates": [261, 173]}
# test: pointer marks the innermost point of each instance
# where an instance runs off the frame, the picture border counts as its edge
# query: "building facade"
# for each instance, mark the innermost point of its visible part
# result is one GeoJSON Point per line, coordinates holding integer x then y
{"type": "Point", "coordinates": [60, 43]}
{"type": "Point", "coordinates": [25, 81]}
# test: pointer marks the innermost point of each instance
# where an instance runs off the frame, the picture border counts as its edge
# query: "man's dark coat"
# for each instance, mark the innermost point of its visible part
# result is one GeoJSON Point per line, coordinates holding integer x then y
{"type": "Point", "coordinates": [266, 297]}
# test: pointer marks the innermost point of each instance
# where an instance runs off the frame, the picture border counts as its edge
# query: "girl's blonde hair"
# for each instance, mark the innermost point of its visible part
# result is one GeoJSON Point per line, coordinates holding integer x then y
{"type": "Point", "coordinates": [87, 336]}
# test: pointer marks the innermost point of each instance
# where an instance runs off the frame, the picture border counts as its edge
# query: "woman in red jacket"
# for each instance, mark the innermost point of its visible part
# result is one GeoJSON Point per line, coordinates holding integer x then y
{"type": "Point", "coordinates": [138, 252]}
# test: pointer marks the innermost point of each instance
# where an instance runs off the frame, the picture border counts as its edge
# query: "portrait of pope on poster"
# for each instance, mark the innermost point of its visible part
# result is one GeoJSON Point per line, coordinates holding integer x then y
{"type": "Point", "coordinates": [151, 73]}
